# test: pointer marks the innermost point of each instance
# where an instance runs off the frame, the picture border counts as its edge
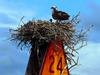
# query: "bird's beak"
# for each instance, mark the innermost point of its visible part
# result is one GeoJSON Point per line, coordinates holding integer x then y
{"type": "Point", "coordinates": [52, 7]}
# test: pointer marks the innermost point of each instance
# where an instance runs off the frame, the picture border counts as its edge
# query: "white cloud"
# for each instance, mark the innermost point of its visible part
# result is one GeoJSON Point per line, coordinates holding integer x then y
{"type": "Point", "coordinates": [89, 60]}
{"type": "Point", "coordinates": [12, 61]}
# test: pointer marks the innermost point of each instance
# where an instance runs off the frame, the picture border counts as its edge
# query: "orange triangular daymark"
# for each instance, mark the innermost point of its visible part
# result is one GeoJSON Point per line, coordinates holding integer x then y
{"type": "Point", "coordinates": [54, 61]}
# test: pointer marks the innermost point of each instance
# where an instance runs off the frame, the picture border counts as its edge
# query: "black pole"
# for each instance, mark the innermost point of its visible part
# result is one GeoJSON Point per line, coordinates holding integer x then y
{"type": "Point", "coordinates": [36, 59]}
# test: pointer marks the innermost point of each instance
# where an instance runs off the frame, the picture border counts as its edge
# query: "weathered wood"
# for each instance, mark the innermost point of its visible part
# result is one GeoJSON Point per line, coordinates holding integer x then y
{"type": "Point", "coordinates": [35, 59]}
{"type": "Point", "coordinates": [33, 64]}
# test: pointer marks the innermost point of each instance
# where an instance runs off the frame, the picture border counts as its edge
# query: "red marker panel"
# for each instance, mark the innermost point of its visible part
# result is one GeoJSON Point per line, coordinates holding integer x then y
{"type": "Point", "coordinates": [54, 61]}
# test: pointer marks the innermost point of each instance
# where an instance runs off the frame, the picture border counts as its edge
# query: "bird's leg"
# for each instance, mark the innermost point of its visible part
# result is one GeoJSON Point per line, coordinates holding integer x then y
{"type": "Point", "coordinates": [57, 21]}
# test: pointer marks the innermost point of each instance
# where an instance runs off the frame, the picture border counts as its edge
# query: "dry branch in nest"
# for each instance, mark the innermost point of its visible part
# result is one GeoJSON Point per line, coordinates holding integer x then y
{"type": "Point", "coordinates": [43, 31]}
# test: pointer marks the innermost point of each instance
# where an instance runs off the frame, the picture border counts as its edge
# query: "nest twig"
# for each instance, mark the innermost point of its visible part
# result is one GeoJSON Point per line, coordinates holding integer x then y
{"type": "Point", "coordinates": [44, 31]}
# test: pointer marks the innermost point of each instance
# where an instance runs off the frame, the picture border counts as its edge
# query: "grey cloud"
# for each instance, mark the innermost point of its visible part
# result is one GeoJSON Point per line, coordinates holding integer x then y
{"type": "Point", "coordinates": [4, 33]}
{"type": "Point", "coordinates": [92, 18]}
{"type": "Point", "coordinates": [12, 60]}
{"type": "Point", "coordinates": [89, 60]}
{"type": "Point", "coordinates": [6, 19]}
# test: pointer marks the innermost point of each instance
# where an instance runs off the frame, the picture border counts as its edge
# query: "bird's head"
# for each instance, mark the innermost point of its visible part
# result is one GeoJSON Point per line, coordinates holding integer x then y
{"type": "Point", "coordinates": [53, 7]}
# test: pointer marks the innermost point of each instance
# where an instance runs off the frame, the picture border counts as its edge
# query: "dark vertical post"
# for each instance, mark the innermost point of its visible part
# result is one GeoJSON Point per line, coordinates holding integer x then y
{"type": "Point", "coordinates": [36, 59]}
{"type": "Point", "coordinates": [33, 64]}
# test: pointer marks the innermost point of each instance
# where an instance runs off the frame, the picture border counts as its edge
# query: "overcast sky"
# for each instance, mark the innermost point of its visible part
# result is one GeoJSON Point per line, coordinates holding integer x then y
{"type": "Point", "coordinates": [14, 62]}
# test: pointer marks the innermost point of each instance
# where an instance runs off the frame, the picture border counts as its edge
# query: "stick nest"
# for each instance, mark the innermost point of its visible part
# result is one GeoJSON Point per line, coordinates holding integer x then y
{"type": "Point", "coordinates": [44, 31]}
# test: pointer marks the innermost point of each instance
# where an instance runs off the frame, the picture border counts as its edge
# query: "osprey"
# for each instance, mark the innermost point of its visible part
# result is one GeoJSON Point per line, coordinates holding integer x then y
{"type": "Point", "coordinates": [59, 15]}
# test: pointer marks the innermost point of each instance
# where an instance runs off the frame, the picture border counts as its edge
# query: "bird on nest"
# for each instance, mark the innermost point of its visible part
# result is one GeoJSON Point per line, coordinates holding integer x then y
{"type": "Point", "coordinates": [59, 15]}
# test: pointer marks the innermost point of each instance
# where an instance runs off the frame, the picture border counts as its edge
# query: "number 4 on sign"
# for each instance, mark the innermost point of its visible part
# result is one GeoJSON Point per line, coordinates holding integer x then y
{"type": "Point", "coordinates": [54, 61]}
